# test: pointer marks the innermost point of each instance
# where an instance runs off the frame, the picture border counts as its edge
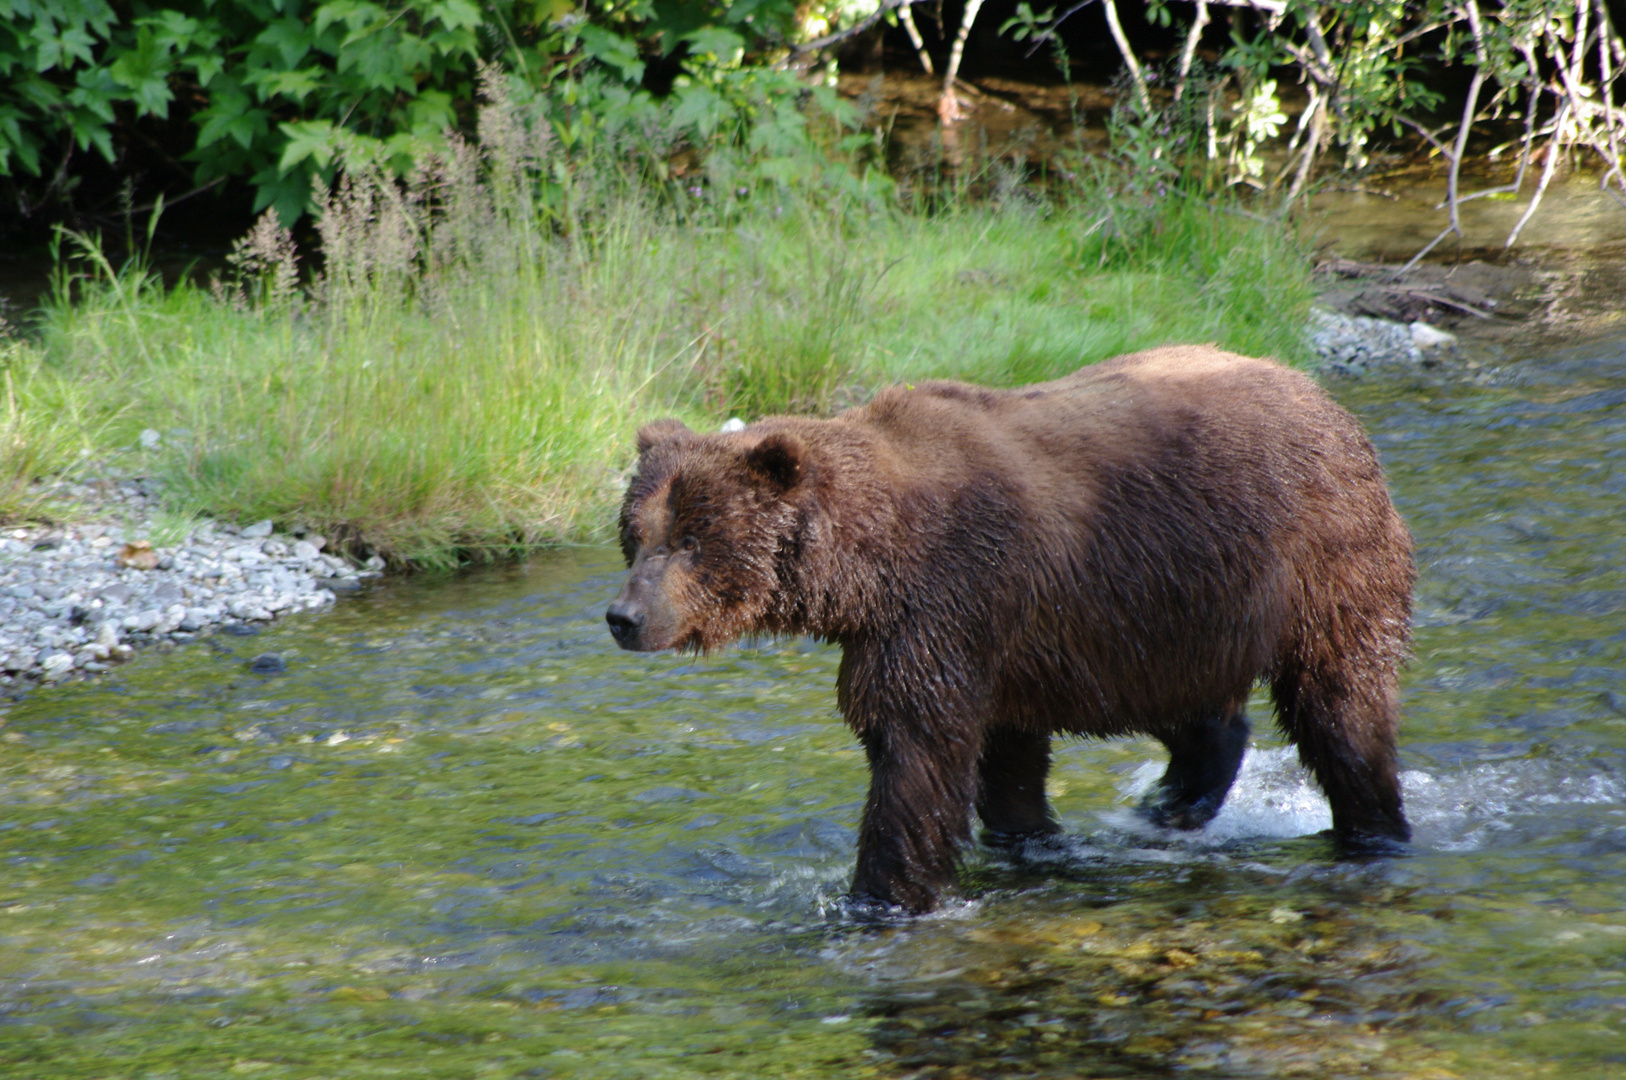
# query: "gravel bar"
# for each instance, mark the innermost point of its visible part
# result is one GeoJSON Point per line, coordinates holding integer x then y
{"type": "Point", "coordinates": [78, 598]}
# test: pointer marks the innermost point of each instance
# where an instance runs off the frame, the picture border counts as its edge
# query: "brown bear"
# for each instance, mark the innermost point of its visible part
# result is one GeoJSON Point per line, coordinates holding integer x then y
{"type": "Point", "coordinates": [1126, 550]}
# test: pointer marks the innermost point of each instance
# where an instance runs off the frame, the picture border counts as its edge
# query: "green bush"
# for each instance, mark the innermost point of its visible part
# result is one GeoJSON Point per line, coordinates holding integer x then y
{"type": "Point", "coordinates": [274, 90]}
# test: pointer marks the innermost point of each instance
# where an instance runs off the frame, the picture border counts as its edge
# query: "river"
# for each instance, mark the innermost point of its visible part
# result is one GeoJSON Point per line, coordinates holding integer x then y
{"type": "Point", "coordinates": [464, 835]}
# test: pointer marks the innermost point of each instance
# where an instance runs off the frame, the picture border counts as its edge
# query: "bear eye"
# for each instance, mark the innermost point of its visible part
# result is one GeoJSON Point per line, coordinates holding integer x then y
{"type": "Point", "coordinates": [689, 543]}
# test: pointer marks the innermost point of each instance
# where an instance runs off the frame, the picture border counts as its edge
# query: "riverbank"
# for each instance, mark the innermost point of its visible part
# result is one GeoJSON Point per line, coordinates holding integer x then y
{"type": "Point", "coordinates": [434, 409]}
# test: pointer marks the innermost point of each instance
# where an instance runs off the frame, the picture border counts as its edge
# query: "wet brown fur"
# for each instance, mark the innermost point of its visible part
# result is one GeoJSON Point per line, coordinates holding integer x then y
{"type": "Point", "coordinates": [1124, 550]}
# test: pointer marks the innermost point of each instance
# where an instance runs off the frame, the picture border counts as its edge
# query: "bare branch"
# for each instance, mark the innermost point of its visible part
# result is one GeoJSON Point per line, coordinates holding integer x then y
{"type": "Point", "coordinates": [1606, 80]}
{"type": "Point", "coordinates": [1050, 31]}
{"type": "Point", "coordinates": [1417, 258]}
{"type": "Point", "coordinates": [1317, 122]}
{"type": "Point", "coordinates": [1546, 178]}
{"type": "Point", "coordinates": [948, 106]}
{"type": "Point", "coordinates": [1430, 136]}
{"type": "Point", "coordinates": [1135, 73]}
{"type": "Point", "coordinates": [1193, 35]}
{"type": "Point", "coordinates": [1469, 114]}
{"type": "Point", "coordinates": [906, 16]}
{"type": "Point", "coordinates": [1583, 10]}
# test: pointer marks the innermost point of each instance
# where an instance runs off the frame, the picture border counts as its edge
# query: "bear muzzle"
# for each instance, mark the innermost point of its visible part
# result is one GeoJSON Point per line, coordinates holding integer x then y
{"type": "Point", "coordinates": [626, 619]}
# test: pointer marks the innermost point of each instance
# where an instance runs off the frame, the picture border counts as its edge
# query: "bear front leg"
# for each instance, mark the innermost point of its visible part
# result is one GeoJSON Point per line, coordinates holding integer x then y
{"type": "Point", "coordinates": [1010, 787]}
{"type": "Point", "coordinates": [917, 817]}
{"type": "Point", "coordinates": [1204, 756]}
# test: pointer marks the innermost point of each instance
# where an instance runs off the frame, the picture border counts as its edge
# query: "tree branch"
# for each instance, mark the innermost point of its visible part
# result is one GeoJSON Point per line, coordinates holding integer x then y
{"type": "Point", "coordinates": [906, 16]}
{"type": "Point", "coordinates": [1130, 62]}
{"type": "Point", "coordinates": [1193, 35]}
{"type": "Point", "coordinates": [852, 31]}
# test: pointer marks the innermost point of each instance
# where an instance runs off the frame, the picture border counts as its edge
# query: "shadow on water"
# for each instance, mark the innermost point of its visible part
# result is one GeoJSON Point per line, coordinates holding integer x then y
{"type": "Point", "coordinates": [463, 835]}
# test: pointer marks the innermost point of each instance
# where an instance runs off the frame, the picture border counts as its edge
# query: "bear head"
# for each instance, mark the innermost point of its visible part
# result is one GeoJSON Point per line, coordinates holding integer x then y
{"type": "Point", "coordinates": [706, 525]}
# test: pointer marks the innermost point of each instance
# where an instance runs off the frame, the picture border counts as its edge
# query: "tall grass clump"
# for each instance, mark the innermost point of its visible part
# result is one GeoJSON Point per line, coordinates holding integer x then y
{"type": "Point", "coordinates": [462, 374]}
{"type": "Point", "coordinates": [44, 427]}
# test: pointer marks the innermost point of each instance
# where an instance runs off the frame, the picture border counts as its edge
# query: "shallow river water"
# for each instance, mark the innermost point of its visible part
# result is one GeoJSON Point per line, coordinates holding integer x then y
{"type": "Point", "coordinates": [464, 835]}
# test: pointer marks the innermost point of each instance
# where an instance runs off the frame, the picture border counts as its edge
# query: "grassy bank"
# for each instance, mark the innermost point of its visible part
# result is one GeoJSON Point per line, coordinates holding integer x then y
{"type": "Point", "coordinates": [467, 381]}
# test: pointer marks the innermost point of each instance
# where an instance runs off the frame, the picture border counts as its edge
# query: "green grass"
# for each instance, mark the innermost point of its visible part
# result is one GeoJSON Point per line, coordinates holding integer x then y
{"type": "Point", "coordinates": [466, 382]}
{"type": "Point", "coordinates": [48, 422]}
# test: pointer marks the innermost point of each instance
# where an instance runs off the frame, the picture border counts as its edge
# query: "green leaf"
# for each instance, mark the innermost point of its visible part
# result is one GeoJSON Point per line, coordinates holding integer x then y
{"type": "Point", "coordinates": [289, 37]}
{"type": "Point", "coordinates": [431, 112]}
{"type": "Point", "coordinates": [206, 66]}
{"type": "Point", "coordinates": [94, 93]}
{"type": "Point", "coordinates": [230, 113]}
{"type": "Point", "coordinates": [454, 14]}
{"type": "Point", "coordinates": [289, 194]}
{"type": "Point", "coordinates": [356, 15]}
{"type": "Point", "coordinates": [63, 49]}
{"type": "Point", "coordinates": [315, 140]}
{"type": "Point", "coordinates": [17, 140]}
{"type": "Point", "coordinates": [145, 71]}
{"type": "Point", "coordinates": [722, 47]}
{"type": "Point", "coordinates": [41, 94]}
{"type": "Point", "coordinates": [88, 131]}
{"type": "Point", "coordinates": [176, 32]}
{"type": "Point", "coordinates": [296, 85]}
{"type": "Point", "coordinates": [613, 51]}
{"type": "Point", "coordinates": [699, 107]}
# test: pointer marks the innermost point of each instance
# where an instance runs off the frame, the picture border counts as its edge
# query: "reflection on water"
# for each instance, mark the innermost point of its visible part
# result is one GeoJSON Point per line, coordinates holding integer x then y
{"type": "Point", "coordinates": [464, 835]}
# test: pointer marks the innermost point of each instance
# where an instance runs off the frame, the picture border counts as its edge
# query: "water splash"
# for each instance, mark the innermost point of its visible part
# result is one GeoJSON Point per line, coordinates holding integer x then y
{"type": "Point", "coordinates": [1275, 797]}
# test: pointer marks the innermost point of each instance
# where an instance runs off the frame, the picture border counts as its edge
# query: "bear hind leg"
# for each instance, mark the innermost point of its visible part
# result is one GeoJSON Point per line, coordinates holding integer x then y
{"type": "Point", "coordinates": [1204, 757]}
{"type": "Point", "coordinates": [1345, 728]}
{"type": "Point", "coordinates": [1011, 775]}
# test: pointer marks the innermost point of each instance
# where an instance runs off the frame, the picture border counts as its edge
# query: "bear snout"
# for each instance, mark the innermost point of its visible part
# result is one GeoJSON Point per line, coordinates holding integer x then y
{"type": "Point", "coordinates": [626, 619]}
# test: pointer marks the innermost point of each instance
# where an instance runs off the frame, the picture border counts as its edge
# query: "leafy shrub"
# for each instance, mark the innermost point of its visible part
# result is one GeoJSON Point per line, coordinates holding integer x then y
{"type": "Point", "coordinates": [274, 90]}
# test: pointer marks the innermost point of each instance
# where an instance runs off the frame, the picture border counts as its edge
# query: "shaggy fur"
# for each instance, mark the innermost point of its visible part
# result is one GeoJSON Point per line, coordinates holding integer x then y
{"type": "Point", "coordinates": [1124, 550]}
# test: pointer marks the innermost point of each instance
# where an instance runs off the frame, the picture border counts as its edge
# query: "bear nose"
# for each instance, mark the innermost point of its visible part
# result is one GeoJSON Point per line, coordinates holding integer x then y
{"type": "Point", "coordinates": [625, 619]}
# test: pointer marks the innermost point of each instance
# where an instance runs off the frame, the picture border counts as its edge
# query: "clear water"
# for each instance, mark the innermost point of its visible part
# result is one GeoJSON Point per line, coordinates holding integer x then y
{"type": "Point", "coordinates": [466, 836]}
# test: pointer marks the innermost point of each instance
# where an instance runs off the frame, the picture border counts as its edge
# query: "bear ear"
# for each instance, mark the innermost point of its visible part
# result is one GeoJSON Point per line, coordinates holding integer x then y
{"type": "Point", "coordinates": [777, 459]}
{"type": "Point", "coordinates": [653, 434]}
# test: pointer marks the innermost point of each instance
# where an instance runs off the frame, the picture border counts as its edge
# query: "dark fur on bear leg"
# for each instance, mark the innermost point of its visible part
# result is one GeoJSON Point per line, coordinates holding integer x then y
{"type": "Point", "coordinates": [1203, 761]}
{"type": "Point", "coordinates": [1010, 788]}
{"type": "Point", "coordinates": [907, 857]}
{"type": "Point", "coordinates": [1345, 731]}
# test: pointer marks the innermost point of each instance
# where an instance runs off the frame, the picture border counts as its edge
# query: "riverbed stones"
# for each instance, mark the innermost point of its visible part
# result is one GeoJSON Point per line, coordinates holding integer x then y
{"type": "Point", "coordinates": [80, 598]}
{"type": "Point", "coordinates": [55, 665]}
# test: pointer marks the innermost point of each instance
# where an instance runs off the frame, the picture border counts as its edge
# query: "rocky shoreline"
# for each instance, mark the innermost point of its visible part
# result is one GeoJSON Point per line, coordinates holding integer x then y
{"type": "Point", "coordinates": [79, 598]}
